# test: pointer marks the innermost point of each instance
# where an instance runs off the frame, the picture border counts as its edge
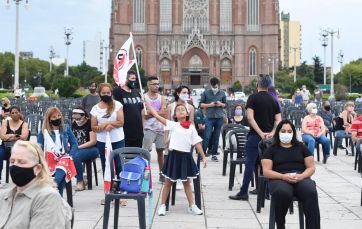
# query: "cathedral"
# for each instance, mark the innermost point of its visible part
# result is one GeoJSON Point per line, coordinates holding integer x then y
{"type": "Point", "coordinates": [189, 41]}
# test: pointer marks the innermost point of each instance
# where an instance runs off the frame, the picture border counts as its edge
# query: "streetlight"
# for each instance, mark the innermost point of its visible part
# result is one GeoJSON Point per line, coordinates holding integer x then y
{"type": "Point", "coordinates": [332, 32]}
{"type": "Point", "coordinates": [295, 60]}
{"type": "Point", "coordinates": [325, 44]}
{"type": "Point", "coordinates": [51, 57]}
{"type": "Point", "coordinates": [273, 59]}
{"type": "Point", "coordinates": [16, 71]}
{"type": "Point", "coordinates": [340, 58]}
{"type": "Point", "coordinates": [68, 41]}
{"type": "Point", "coordinates": [106, 52]}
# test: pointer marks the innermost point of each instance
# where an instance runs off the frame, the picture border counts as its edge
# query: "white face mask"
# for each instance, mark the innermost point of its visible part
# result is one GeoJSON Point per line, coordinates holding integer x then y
{"type": "Point", "coordinates": [285, 137]}
{"type": "Point", "coordinates": [215, 90]}
{"type": "Point", "coordinates": [314, 111]}
{"type": "Point", "coordinates": [79, 122]}
{"type": "Point", "coordinates": [184, 97]}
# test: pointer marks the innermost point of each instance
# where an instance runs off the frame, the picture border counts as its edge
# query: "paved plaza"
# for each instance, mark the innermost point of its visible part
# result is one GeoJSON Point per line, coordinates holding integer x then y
{"type": "Point", "coordinates": [339, 190]}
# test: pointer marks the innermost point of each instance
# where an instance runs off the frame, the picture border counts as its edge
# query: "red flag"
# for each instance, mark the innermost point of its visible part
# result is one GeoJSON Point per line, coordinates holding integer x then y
{"type": "Point", "coordinates": [122, 63]}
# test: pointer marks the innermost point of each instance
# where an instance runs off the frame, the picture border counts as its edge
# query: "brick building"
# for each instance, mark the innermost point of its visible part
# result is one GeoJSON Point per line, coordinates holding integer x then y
{"type": "Point", "coordinates": [189, 41]}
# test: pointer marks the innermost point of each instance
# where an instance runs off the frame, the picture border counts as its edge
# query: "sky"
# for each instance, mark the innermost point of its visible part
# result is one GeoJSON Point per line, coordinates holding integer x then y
{"type": "Point", "coordinates": [42, 25]}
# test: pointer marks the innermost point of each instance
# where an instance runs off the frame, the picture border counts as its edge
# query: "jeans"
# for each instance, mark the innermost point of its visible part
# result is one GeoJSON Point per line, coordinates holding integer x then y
{"type": "Point", "coordinates": [341, 134]}
{"type": "Point", "coordinates": [59, 179]}
{"type": "Point", "coordinates": [81, 156]}
{"type": "Point", "coordinates": [212, 126]}
{"type": "Point", "coordinates": [251, 150]}
{"type": "Point", "coordinates": [117, 161]}
{"type": "Point", "coordinates": [3, 156]}
{"type": "Point", "coordinates": [311, 141]}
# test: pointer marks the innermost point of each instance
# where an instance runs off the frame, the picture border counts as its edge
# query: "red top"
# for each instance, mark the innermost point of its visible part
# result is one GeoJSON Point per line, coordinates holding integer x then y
{"type": "Point", "coordinates": [357, 126]}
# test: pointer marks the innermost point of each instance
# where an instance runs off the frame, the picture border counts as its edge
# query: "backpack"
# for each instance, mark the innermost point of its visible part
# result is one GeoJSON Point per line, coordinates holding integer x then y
{"type": "Point", "coordinates": [135, 176]}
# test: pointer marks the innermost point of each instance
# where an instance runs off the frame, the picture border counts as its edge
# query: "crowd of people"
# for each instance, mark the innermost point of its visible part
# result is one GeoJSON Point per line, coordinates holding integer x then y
{"type": "Point", "coordinates": [125, 118]}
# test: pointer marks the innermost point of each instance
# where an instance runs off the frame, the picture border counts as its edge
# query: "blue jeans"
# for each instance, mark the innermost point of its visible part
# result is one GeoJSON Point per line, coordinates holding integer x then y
{"type": "Point", "coordinates": [212, 125]}
{"type": "Point", "coordinates": [310, 141]}
{"type": "Point", "coordinates": [251, 150]}
{"type": "Point", "coordinates": [117, 161]}
{"type": "Point", "coordinates": [3, 156]}
{"type": "Point", "coordinates": [81, 156]}
{"type": "Point", "coordinates": [341, 134]}
{"type": "Point", "coordinates": [59, 179]}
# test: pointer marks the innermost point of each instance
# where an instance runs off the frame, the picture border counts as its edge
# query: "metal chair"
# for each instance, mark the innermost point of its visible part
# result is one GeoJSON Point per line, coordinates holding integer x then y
{"type": "Point", "coordinates": [125, 154]}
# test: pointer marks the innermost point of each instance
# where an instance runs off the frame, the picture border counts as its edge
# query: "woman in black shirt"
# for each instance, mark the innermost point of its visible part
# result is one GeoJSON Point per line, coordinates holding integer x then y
{"type": "Point", "coordinates": [289, 166]}
{"type": "Point", "coordinates": [238, 117]}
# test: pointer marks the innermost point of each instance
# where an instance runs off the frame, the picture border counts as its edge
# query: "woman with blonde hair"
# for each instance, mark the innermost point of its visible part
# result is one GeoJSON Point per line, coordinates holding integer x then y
{"type": "Point", "coordinates": [33, 202]}
{"type": "Point", "coordinates": [54, 138]}
{"type": "Point", "coordinates": [343, 123]}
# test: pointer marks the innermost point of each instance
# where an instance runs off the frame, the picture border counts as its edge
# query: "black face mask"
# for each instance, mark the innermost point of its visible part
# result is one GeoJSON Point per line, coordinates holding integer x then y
{"type": "Point", "coordinates": [106, 98]}
{"type": "Point", "coordinates": [132, 84]}
{"type": "Point", "coordinates": [56, 122]}
{"type": "Point", "coordinates": [21, 176]}
{"type": "Point", "coordinates": [92, 90]}
{"type": "Point", "coordinates": [327, 108]}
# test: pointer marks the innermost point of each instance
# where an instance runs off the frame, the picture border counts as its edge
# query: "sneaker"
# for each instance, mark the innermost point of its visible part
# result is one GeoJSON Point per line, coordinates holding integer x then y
{"type": "Point", "coordinates": [214, 158]}
{"type": "Point", "coordinates": [162, 210]}
{"type": "Point", "coordinates": [194, 210]}
{"type": "Point", "coordinates": [179, 185]}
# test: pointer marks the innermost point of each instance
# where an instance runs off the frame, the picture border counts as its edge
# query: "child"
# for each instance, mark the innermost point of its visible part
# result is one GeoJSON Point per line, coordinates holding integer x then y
{"type": "Point", "coordinates": [179, 164]}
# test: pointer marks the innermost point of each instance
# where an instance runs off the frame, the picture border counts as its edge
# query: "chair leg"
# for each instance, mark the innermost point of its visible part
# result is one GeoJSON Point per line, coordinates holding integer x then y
{"type": "Point", "coordinates": [301, 215]}
{"type": "Point", "coordinates": [231, 175]}
{"type": "Point", "coordinates": [352, 146]}
{"type": "Point", "coordinates": [197, 192]}
{"type": "Point", "coordinates": [335, 146]}
{"type": "Point", "coordinates": [261, 193]}
{"type": "Point", "coordinates": [173, 194]}
{"type": "Point", "coordinates": [88, 166]}
{"type": "Point", "coordinates": [272, 214]}
{"type": "Point", "coordinates": [107, 208]}
{"type": "Point", "coordinates": [224, 162]}
{"type": "Point", "coordinates": [168, 202]}
{"type": "Point", "coordinates": [291, 208]}
{"type": "Point", "coordinates": [141, 213]}
{"type": "Point", "coordinates": [317, 152]}
{"type": "Point", "coordinates": [116, 213]}
{"type": "Point", "coordinates": [7, 171]}
{"type": "Point", "coordinates": [252, 180]}
{"type": "Point", "coordinates": [68, 187]}
{"type": "Point", "coordinates": [95, 171]}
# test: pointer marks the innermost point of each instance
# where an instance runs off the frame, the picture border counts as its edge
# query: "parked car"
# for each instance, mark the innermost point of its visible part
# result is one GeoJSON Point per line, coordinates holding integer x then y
{"type": "Point", "coordinates": [40, 92]}
{"type": "Point", "coordinates": [239, 95]}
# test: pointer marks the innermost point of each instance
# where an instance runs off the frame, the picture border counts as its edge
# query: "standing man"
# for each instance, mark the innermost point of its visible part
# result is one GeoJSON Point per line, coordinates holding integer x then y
{"type": "Point", "coordinates": [214, 100]}
{"type": "Point", "coordinates": [153, 129]}
{"type": "Point", "coordinates": [132, 109]}
{"type": "Point", "coordinates": [263, 115]}
{"type": "Point", "coordinates": [305, 94]}
{"type": "Point", "coordinates": [92, 99]}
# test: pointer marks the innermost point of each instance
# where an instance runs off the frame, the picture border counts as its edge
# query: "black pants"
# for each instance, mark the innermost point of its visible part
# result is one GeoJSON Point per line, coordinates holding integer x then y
{"type": "Point", "coordinates": [305, 191]}
{"type": "Point", "coordinates": [133, 142]}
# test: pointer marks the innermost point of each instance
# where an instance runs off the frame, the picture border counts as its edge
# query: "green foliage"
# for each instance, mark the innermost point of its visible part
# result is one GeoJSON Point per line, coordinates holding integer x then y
{"type": "Point", "coordinates": [318, 70]}
{"type": "Point", "coordinates": [251, 88]}
{"type": "Point", "coordinates": [340, 92]}
{"type": "Point", "coordinates": [305, 71]}
{"type": "Point", "coordinates": [284, 81]}
{"type": "Point", "coordinates": [142, 75]}
{"type": "Point", "coordinates": [66, 85]}
{"type": "Point", "coordinates": [85, 73]}
{"type": "Point", "coordinates": [236, 86]}
{"type": "Point", "coordinates": [354, 69]}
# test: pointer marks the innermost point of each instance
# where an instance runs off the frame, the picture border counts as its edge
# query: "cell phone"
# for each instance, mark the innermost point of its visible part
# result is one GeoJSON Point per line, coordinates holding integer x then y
{"type": "Point", "coordinates": [17, 135]}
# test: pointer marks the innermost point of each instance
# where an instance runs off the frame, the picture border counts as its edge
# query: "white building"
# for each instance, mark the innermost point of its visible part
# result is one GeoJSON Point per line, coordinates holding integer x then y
{"type": "Point", "coordinates": [93, 52]}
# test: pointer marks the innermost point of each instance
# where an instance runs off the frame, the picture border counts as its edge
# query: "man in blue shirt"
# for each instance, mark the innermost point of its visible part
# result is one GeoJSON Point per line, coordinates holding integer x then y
{"type": "Point", "coordinates": [214, 101]}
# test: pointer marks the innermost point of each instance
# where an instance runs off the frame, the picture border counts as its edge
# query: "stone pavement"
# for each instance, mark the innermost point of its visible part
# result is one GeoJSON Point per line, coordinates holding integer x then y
{"type": "Point", "coordinates": [339, 189]}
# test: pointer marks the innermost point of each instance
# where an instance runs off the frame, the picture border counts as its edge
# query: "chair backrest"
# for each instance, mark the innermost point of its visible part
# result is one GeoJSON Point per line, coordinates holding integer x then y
{"type": "Point", "coordinates": [126, 154]}
{"type": "Point", "coordinates": [35, 122]}
{"type": "Point", "coordinates": [263, 145]}
{"type": "Point", "coordinates": [241, 139]}
{"type": "Point", "coordinates": [229, 127]}
{"type": "Point", "coordinates": [296, 117]}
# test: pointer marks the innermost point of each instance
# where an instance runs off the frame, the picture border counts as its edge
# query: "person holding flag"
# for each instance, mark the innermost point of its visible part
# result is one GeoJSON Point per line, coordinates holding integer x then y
{"type": "Point", "coordinates": [126, 93]}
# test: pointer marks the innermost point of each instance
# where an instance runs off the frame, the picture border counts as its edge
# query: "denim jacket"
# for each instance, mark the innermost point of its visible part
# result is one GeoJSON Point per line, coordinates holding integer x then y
{"type": "Point", "coordinates": [66, 136]}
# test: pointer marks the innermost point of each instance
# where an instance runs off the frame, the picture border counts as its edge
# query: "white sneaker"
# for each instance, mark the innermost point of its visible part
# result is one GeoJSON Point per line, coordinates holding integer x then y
{"type": "Point", "coordinates": [162, 210]}
{"type": "Point", "coordinates": [194, 210]}
{"type": "Point", "coordinates": [179, 185]}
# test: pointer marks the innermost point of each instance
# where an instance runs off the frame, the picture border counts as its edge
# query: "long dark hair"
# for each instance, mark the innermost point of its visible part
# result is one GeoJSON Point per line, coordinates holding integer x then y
{"type": "Point", "coordinates": [179, 89]}
{"type": "Point", "coordinates": [276, 140]}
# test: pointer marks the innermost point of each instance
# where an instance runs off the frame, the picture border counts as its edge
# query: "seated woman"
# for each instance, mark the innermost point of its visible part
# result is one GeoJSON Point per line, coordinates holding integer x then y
{"type": "Point", "coordinates": [55, 137]}
{"type": "Point", "coordinates": [289, 166]}
{"type": "Point", "coordinates": [343, 123]}
{"type": "Point", "coordinates": [33, 202]}
{"type": "Point", "coordinates": [238, 117]}
{"type": "Point", "coordinates": [12, 130]}
{"type": "Point", "coordinates": [313, 131]}
{"type": "Point", "coordinates": [87, 140]}
{"type": "Point", "coordinates": [5, 109]}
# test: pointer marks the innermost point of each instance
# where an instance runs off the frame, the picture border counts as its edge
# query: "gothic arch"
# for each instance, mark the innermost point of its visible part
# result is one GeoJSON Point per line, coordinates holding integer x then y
{"type": "Point", "coordinates": [195, 51]}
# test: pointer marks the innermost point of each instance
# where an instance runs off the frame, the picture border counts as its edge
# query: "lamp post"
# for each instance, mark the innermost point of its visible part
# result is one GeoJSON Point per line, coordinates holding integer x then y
{"type": "Point", "coordinates": [16, 70]}
{"type": "Point", "coordinates": [107, 48]}
{"type": "Point", "coordinates": [51, 57]}
{"type": "Point", "coordinates": [295, 62]}
{"type": "Point", "coordinates": [273, 59]}
{"type": "Point", "coordinates": [325, 44]}
{"type": "Point", "coordinates": [68, 41]}
{"type": "Point", "coordinates": [331, 32]}
{"type": "Point", "coordinates": [340, 58]}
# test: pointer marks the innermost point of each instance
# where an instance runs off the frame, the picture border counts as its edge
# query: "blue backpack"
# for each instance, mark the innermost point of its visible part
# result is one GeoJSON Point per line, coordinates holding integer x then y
{"type": "Point", "coordinates": [135, 176]}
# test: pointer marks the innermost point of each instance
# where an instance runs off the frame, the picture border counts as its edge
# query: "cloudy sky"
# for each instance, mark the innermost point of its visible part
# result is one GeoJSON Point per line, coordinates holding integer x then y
{"type": "Point", "coordinates": [42, 25]}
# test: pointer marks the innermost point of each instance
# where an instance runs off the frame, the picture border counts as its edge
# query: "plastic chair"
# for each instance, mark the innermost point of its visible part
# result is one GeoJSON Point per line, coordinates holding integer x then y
{"type": "Point", "coordinates": [88, 166]}
{"type": "Point", "coordinates": [125, 154]}
{"type": "Point", "coordinates": [69, 190]}
{"type": "Point", "coordinates": [272, 213]}
{"type": "Point", "coordinates": [35, 123]}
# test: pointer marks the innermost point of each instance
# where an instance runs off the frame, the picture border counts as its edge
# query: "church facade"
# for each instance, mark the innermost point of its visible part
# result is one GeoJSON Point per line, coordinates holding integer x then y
{"type": "Point", "coordinates": [189, 41]}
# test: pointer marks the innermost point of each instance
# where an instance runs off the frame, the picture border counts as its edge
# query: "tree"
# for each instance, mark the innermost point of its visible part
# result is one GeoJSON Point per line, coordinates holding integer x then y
{"type": "Point", "coordinates": [236, 86]}
{"type": "Point", "coordinates": [354, 69]}
{"type": "Point", "coordinates": [66, 85]}
{"type": "Point", "coordinates": [318, 70]}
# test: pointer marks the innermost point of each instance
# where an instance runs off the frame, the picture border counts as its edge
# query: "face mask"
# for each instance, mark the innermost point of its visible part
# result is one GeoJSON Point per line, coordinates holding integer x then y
{"type": "Point", "coordinates": [215, 90]}
{"type": "Point", "coordinates": [184, 97]}
{"type": "Point", "coordinates": [21, 176]}
{"type": "Point", "coordinates": [327, 108]}
{"type": "Point", "coordinates": [106, 98]}
{"type": "Point", "coordinates": [285, 137]}
{"type": "Point", "coordinates": [314, 111]}
{"type": "Point", "coordinates": [132, 84]}
{"type": "Point", "coordinates": [79, 122]}
{"type": "Point", "coordinates": [238, 112]}
{"type": "Point", "coordinates": [92, 90]}
{"type": "Point", "coordinates": [56, 122]}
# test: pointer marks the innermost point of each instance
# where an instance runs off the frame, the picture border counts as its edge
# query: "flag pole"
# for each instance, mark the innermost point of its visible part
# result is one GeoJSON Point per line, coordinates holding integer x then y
{"type": "Point", "coordinates": [138, 71]}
